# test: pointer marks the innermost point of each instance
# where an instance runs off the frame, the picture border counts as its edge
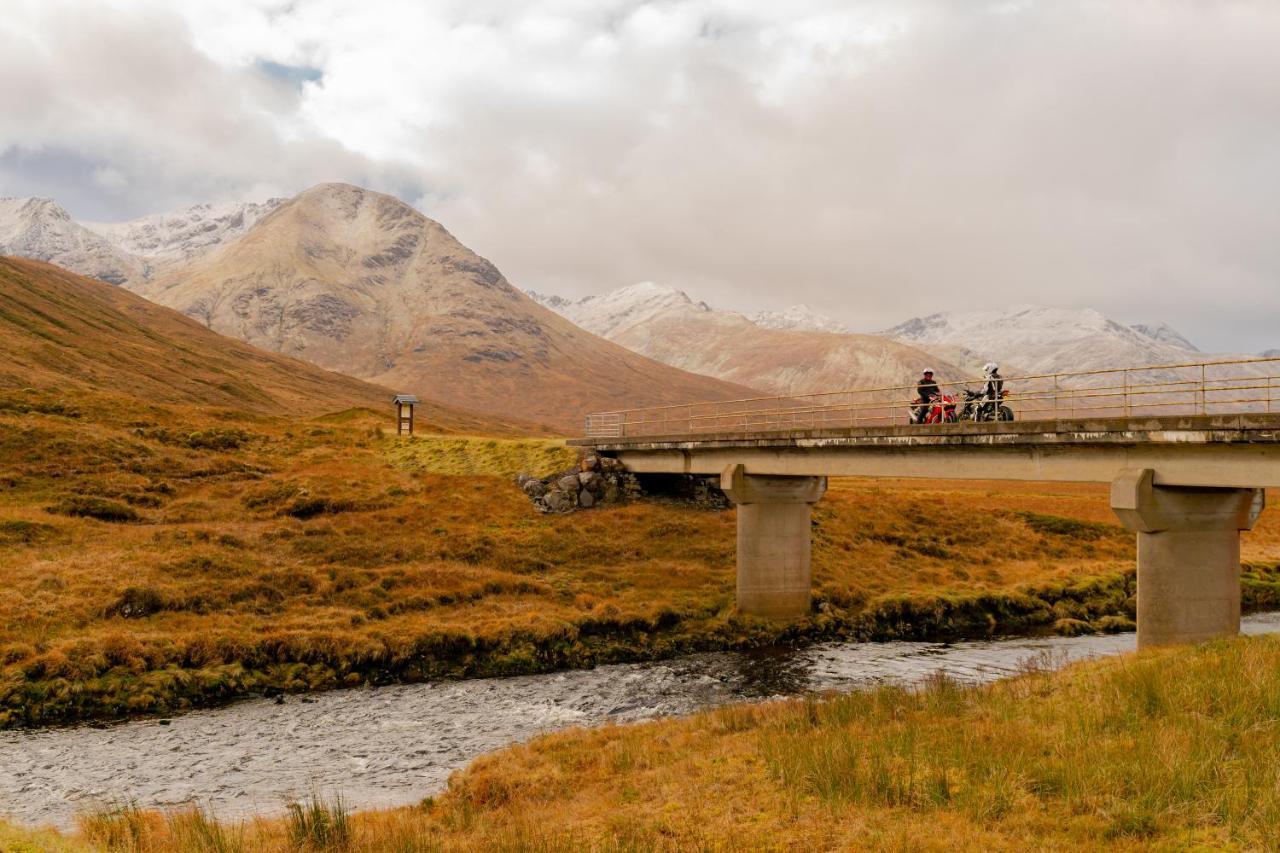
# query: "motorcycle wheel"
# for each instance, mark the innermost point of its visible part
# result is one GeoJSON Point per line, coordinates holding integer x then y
{"type": "Point", "coordinates": [1006, 413]}
{"type": "Point", "coordinates": [950, 417]}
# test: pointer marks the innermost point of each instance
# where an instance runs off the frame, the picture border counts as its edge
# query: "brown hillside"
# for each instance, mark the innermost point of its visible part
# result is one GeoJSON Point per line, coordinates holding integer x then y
{"type": "Point", "coordinates": [62, 331]}
{"type": "Point", "coordinates": [360, 282]}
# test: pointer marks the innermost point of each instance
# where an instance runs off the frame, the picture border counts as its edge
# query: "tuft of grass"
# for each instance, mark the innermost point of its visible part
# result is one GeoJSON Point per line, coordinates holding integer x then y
{"type": "Point", "coordinates": [319, 825]}
{"type": "Point", "coordinates": [120, 827]}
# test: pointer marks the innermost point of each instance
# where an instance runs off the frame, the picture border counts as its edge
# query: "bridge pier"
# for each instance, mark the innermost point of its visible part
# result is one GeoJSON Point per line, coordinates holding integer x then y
{"type": "Point", "coordinates": [1188, 555]}
{"type": "Point", "coordinates": [774, 576]}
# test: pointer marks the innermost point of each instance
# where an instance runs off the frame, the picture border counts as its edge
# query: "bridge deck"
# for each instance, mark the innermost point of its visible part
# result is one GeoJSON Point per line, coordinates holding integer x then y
{"type": "Point", "coordinates": [1180, 429]}
{"type": "Point", "coordinates": [1200, 450]}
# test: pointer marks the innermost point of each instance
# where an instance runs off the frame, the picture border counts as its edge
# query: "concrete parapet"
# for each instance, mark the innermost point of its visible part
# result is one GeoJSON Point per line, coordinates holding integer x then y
{"type": "Point", "coordinates": [774, 574]}
{"type": "Point", "coordinates": [1188, 555]}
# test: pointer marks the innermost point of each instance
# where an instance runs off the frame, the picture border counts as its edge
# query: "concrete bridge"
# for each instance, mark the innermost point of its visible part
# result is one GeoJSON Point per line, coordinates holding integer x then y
{"type": "Point", "coordinates": [1187, 473]}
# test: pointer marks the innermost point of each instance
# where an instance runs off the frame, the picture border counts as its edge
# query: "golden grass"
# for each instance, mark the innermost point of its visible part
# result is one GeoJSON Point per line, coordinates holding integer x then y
{"type": "Point", "coordinates": [472, 456]}
{"type": "Point", "coordinates": [1167, 749]}
{"type": "Point", "coordinates": [271, 554]}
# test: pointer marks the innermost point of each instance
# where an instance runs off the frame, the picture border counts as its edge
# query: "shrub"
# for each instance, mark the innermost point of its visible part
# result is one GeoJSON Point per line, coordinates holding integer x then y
{"type": "Point", "coordinates": [304, 508]}
{"type": "Point", "coordinates": [1054, 525]}
{"type": "Point", "coordinates": [17, 532]}
{"type": "Point", "coordinates": [85, 506]}
{"type": "Point", "coordinates": [136, 602]}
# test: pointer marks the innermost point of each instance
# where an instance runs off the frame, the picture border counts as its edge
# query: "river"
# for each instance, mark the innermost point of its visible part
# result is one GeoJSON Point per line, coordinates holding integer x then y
{"type": "Point", "coordinates": [389, 746]}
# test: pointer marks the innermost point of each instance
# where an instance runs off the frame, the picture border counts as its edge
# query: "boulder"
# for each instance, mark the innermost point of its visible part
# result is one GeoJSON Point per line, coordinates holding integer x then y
{"type": "Point", "coordinates": [559, 501]}
{"type": "Point", "coordinates": [586, 478]}
{"type": "Point", "coordinates": [586, 500]}
{"type": "Point", "coordinates": [568, 483]}
{"type": "Point", "coordinates": [534, 488]}
{"type": "Point", "coordinates": [591, 463]}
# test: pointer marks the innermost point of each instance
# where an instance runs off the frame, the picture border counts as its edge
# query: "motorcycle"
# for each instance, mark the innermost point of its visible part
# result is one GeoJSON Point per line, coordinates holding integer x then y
{"type": "Point", "coordinates": [978, 408]}
{"type": "Point", "coordinates": [941, 410]}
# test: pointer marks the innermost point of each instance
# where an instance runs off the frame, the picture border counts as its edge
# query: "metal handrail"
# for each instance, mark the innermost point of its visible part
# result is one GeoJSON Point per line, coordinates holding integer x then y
{"type": "Point", "coordinates": [1073, 394]}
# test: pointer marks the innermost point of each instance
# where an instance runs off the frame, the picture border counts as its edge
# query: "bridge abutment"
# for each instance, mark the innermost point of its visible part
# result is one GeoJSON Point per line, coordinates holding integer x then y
{"type": "Point", "coordinates": [1188, 555]}
{"type": "Point", "coordinates": [774, 548]}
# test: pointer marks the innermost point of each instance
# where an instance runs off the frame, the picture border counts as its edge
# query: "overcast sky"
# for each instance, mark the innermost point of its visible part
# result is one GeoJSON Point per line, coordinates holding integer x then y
{"type": "Point", "coordinates": [876, 160]}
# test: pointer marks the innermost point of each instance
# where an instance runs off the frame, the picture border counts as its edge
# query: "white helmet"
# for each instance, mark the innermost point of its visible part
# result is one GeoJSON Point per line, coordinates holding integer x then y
{"type": "Point", "coordinates": [926, 370]}
{"type": "Point", "coordinates": [989, 368]}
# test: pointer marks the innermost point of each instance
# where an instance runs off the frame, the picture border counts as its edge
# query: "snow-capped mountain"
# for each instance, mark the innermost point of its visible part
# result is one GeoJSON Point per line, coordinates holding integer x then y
{"type": "Point", "coordinates": [125, 253]}
{"type": "Point", "coordinates": [610, 314]}
{"type": "Point", "coordinates": [41, 229]}
{"type": "Point", "coordinates": [1043, 340]}
{"type": "Point", "coordinates": [184, 234]}
{"type": "Point", "coordinates": [1166, 334]}
{"type": "Point", "coordinates": [668, 325]}
{"type": "Point", "coordinates": [798, 318]}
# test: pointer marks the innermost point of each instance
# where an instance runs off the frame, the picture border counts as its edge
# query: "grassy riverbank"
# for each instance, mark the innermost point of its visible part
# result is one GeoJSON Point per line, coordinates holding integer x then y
{"type": "Point", "coordinates": [1168, 749]}
{"type": "Point", "coordinates": [155, 558]}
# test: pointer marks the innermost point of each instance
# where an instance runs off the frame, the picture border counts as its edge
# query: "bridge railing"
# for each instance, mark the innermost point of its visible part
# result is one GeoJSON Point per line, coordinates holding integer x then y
{"type": "Point", "coordinates": [1233, 386]}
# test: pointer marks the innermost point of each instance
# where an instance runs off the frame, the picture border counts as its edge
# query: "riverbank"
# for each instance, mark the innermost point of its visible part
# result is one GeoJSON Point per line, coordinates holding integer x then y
{"type": "Point", "coordinates": [148, 569]}
{"type": "Point", "coordinates": [1169, 748]}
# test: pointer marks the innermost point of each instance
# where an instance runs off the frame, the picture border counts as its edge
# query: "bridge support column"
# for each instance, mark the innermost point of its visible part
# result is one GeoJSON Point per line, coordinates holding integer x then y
{"type": "Point", "coordinates": [1188, 556]}
{"type": "Point", "coordinates": [774, 577]}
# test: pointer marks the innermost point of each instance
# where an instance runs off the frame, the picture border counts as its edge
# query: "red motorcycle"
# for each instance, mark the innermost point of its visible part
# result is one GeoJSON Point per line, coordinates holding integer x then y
{"type": "Point", "coordinates": [939, 410]}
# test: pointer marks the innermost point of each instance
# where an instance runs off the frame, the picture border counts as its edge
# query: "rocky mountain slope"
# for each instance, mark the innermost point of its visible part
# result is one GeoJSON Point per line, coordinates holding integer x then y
{"type": "Point", "coordinates": [667, 325]}
{"type": "Point", "coordinates": [40, 229]}
{"type": "Point", "coordinates": [361, 283]}
{"type": "Point", "coordinates": [181, 235]}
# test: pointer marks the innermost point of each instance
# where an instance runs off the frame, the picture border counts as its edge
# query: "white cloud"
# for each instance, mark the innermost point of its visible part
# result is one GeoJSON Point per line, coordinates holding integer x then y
{"type": "Point", "coordinates": [873, 159]}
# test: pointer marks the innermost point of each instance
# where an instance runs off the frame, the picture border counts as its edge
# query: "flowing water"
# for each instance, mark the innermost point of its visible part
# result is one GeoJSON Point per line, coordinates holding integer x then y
{"type": "Point", "coordinates": [390, 746]}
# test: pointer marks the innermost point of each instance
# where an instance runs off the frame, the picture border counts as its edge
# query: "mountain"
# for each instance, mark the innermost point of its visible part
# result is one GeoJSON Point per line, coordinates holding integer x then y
{"type": "Point", "coordinates": [1035, 340]}
{"type": "Point", "coordinates": [1271, 353]}
{"type": "Point", "coordinates": [39, 228]}
{"type": "Point", "coordinates": [1166, 334]}
{"type": "Point", "coordinates": [665, 324]}
{"type": "Point", "coordinates": [798, 318]}
{"type": "Point", "coordinates": [361, 283]}
{"type": "Point", "coordinates": [181, 235]}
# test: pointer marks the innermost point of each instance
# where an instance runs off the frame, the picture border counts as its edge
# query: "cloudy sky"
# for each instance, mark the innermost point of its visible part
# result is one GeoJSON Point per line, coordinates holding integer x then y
{"type": "Point", "coordinates": [876, 160]}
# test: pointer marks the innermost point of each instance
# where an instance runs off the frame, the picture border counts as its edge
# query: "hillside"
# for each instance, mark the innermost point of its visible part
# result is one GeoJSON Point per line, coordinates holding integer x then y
{"type": "Point", "coordinates": [666, 325]}
{"type": "Point", "coordinates": [65, 333]}
{"type": "Point", "coordinates": [359, 282]}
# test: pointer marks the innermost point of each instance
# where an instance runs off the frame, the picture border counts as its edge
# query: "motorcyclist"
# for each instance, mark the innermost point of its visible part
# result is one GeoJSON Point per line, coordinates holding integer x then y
{"type": "Point", "coordinates": [994, 386]}
{"type": "Point", "coordinates": [926, 392]}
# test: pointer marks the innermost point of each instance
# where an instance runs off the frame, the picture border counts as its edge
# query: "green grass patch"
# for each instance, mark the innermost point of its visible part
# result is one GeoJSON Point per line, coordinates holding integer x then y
{"type": "Point", "coordinates": [471, 456]}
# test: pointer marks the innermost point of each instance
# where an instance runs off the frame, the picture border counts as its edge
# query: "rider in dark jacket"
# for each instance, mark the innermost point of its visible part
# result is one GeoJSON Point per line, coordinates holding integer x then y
{"type": "Point", "coordinates": [926, 392]}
